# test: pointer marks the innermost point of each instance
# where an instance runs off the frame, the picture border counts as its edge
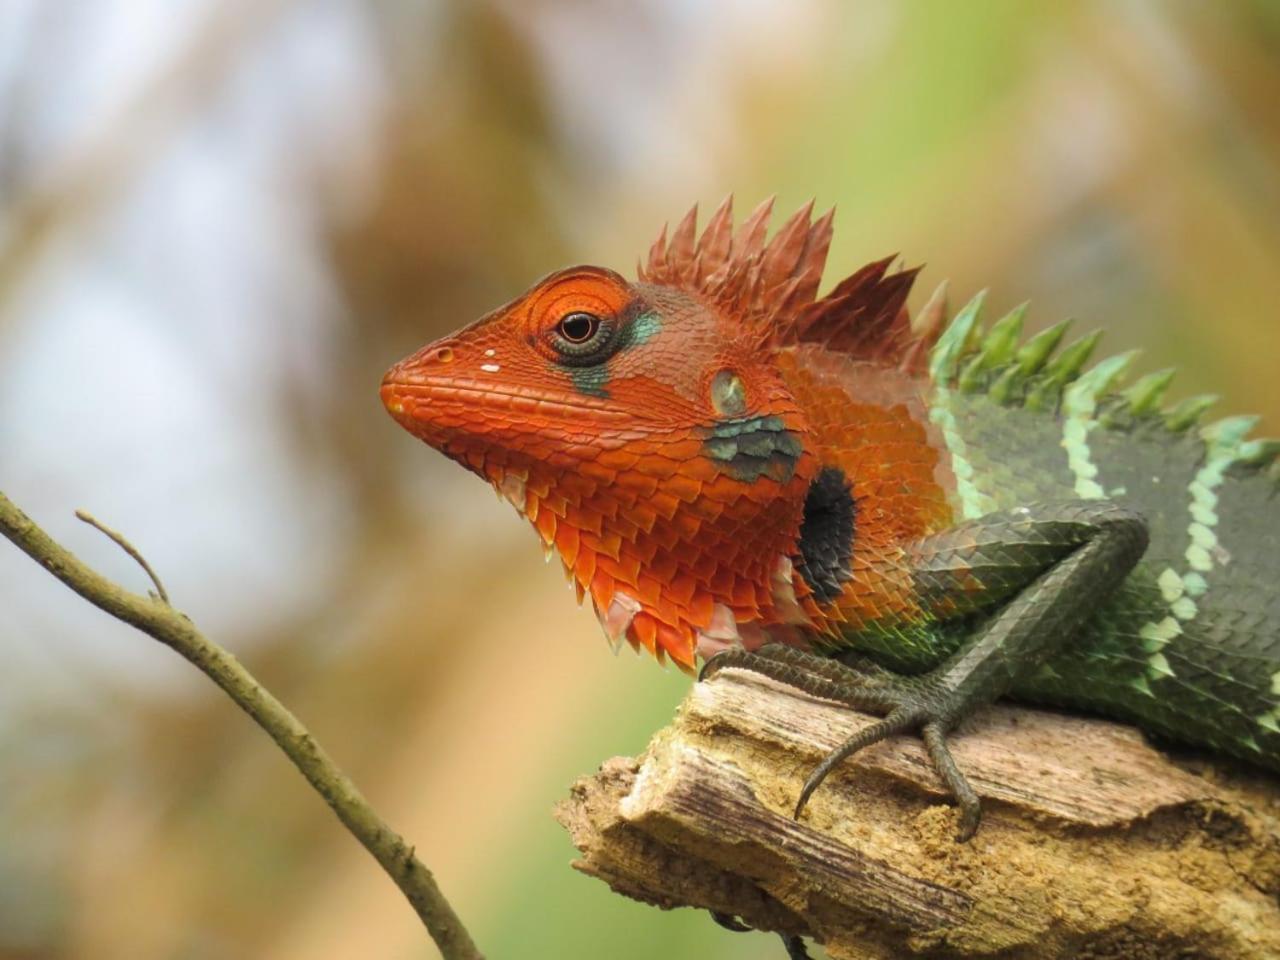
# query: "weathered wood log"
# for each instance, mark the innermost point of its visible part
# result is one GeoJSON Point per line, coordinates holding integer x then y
{"type": "Point", "coordinates": [1093, 844]}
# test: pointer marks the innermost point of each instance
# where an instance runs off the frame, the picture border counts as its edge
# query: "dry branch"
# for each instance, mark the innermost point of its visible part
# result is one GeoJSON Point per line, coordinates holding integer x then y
{"type": "Point", "coordinates": [156, 618]}
{"type": "Point", "coordinates": [1093, 844]}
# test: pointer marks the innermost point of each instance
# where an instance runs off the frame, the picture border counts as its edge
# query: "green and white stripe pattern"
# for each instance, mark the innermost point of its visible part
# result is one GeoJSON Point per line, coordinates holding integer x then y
{"type": "Point", "coordinates": [1192, 648]}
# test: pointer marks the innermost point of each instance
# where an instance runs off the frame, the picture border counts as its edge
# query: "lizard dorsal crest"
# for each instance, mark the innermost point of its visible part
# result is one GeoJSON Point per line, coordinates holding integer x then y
{"type": "Point", "coordinates": [771, 286]}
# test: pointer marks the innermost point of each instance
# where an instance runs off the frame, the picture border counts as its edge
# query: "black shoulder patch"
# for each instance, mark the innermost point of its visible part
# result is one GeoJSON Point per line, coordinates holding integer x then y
{"type": "Point", "coordinates": [753, 448]}
{"type": "Point", "coordinates": [826, 534]}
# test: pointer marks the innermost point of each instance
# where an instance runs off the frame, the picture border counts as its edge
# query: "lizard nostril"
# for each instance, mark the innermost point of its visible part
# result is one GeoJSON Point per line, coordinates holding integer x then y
{"type": "Point", "coordinates": [728, 396]}
{"type": "Point", "coordinates": [444, 355]}
{"type": "Point", "coordinates": [390, 398]}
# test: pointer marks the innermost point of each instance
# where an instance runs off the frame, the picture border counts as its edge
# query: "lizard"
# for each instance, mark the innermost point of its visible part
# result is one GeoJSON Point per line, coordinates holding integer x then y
{"type": "Point", "coordinates": [912, 517]}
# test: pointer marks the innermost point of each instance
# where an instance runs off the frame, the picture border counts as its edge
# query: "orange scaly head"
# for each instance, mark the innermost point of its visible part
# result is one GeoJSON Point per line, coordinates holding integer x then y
{"type": "Point", "coordinates": [647, 430]}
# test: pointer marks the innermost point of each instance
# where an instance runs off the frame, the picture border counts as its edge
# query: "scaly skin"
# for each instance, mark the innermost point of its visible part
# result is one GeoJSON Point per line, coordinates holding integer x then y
{"type": "Point", "coordinates": [911, 520]}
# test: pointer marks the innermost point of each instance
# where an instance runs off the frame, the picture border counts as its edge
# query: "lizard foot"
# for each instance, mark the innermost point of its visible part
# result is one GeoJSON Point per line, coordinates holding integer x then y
{"type": "Point", "coordinates": [730, 922]}
{"type": "Point", "coordinates": [796, 949]}
{"type": "Point", "coordinates": [794, 944]}
{"type": "Point", "coordinates": [906, 703]}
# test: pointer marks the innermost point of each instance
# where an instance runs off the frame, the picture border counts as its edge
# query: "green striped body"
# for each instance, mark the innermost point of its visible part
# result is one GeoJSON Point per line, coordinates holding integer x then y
{"type": "Point", "coordinates": [1189, 647]}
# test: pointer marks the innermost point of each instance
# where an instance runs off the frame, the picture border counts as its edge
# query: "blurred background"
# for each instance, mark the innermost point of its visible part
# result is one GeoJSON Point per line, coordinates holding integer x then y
{"type": "Point", "coordinates": [221, 221]}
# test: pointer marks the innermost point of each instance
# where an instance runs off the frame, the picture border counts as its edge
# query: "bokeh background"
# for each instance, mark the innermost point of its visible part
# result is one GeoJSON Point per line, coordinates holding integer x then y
{"type": "Point", "coordinates": [221, 221]}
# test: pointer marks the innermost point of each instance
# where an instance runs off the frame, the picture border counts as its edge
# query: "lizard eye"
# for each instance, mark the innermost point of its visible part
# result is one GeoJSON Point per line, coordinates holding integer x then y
{"type": "Point", "coordinates": [582, 338]}
{"type": "Point", "coordinates": [578, 327]}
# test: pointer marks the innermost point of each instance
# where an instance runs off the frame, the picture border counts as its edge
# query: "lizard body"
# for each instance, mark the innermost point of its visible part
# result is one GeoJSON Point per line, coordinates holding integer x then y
{"type": "Point", "coordinates": [914, 519]}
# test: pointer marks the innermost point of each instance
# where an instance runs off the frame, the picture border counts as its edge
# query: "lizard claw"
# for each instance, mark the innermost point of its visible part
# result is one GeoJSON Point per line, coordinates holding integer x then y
{"type": "Point", "coordinates": [935, 742]}
{"type": "Point", "coordinates": [914, 708]}
{"type": "Point", "coordinates": [730, 922]}
{"type": "Point", "coordinates": [907, 703]}
{"type": "Point", "coordinates": [793, 943]}
{"type": "Point", "coordinates": [933, 732]}
{"type": "Point", "coordinates": [795, 947]}
{"type": "Point", "coordinates": [896, 722]}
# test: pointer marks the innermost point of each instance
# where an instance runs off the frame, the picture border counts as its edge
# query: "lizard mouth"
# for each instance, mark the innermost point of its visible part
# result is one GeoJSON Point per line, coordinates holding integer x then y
{"type": "Point", "coordinates": [431, 399]}
{"type": "Point", "coordinates": [479, 423]}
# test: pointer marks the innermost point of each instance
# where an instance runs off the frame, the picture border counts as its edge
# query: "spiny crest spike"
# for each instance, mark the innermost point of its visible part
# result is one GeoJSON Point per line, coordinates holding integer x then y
{"type": "Point", "coordinates": [717, 238]}
{"type": "Point", "coordinates": [1060, 371]}
{"type": "Point", "coordinates": [1084, 392]}
{"type": "Point", "coordinates": [970, 379]}
{"type": "Point", "coordinates": [749, 240]}
{"type": "Point", "coordinates": [996, 349]}
{"type": "Point", "coordinates": [1007, 384]}
{"type": "Point", "coordinates": [784, 251]}
{"type": "Point", "coordinates": [1002, 339]}
{"type": "Point", "coordinates": [955, 342]}
{"type": "Point", "coordinates": [926, 327]}
{"type": "Point", "coordinates": [770, 285]}
{"type": "Point", "coordinates": [929, 321]}
{"type": "Point", "coordinates": [1229, 432]}
{"type": "Point", "coordinates": [1067, 364]}
{"type": "Point", "coordinates": [680, 251]}
{"type": "Point", "coordinates": [1036, 351]}
{"type": "Point", "coordinates": [1261, 452]}
{"type": "Point", "coordinates": [1147, 393]}
{"type": "Point", "coordinates": [657, 255]}
{"type": "Point", "coordinates": [1187, 413]}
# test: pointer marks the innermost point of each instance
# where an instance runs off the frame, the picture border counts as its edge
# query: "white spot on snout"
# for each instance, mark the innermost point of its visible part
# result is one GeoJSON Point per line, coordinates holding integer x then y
{"type": "Point", "coordinates": [491, 353]}
{"type": "Point", "coordinates": [490, 367]}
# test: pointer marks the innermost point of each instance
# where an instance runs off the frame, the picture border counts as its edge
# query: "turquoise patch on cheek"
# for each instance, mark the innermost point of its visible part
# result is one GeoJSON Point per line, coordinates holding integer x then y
{"type": "Point", "coordinates": [643, 329]}
{"type": "Point", "coordinates": [591, 381]}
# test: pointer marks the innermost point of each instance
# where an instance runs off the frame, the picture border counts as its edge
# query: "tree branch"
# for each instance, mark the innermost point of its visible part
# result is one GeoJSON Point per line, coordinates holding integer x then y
{"type": "Point", "coordinates": [118, 538]}
{"type": "Point", "coordinates": [1092, 843]}
{"type": "Point", "coordinates": [154, 617]}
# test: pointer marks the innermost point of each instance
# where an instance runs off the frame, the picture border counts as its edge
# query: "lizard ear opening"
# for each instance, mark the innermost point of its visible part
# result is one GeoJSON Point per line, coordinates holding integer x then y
{"type": "Point", "coordinates": [827, 531]}
{"type": "Point", "coordinates": [728, 395]}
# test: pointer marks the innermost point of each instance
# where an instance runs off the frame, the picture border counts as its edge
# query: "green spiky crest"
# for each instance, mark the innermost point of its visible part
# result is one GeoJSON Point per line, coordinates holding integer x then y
{"type": "Point", "coordinates": [1036, 375]}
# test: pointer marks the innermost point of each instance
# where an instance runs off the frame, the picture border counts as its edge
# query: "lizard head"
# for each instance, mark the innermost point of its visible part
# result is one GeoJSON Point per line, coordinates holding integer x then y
{"type": "Point", "coordinates": [644, 428]}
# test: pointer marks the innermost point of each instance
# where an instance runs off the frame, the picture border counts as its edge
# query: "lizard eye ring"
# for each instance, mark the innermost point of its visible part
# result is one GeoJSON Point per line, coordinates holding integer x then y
{"type": "Point", "coordinates": [583, 339]}
{"type": "Point", "coordinates": [578, 327]}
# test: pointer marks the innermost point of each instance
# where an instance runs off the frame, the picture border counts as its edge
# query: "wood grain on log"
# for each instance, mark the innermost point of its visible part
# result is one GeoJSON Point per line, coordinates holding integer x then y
{"type": "Point", "coordinates": [1093, 844]}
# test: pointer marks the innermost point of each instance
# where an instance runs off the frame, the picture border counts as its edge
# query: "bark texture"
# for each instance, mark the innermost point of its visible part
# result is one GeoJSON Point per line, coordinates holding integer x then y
{"type": "Point", "coordinates": [1093, 844]}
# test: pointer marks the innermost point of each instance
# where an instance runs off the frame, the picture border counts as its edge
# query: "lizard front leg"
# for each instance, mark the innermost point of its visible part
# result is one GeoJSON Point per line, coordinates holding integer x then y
{"type": "Point", "coordinates": [1035, 574]}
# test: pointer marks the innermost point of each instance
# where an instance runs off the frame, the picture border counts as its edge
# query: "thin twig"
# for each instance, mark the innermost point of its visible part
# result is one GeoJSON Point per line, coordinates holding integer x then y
{"type": "Point", "coordinates": [156, 618]}
{"type": "Point", "coordinates": [127, 547]}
